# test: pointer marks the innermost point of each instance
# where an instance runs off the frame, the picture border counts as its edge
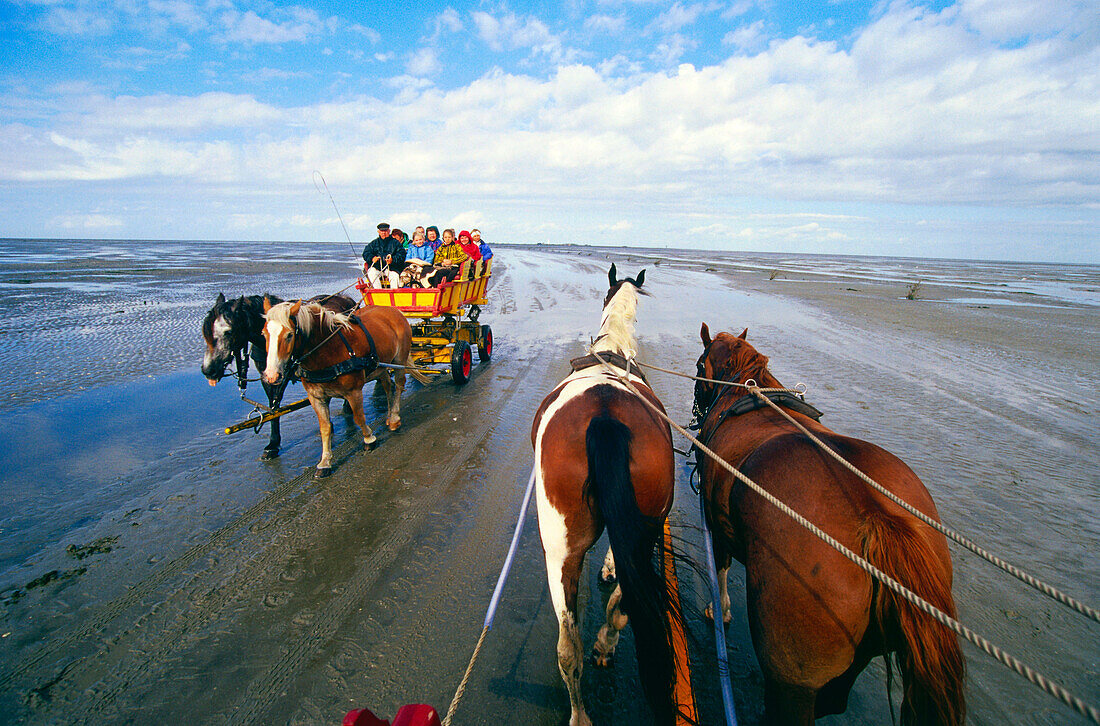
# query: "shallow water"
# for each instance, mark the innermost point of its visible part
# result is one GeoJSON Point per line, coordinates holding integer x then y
{"type": "Point", "coordinates": [202, 568]}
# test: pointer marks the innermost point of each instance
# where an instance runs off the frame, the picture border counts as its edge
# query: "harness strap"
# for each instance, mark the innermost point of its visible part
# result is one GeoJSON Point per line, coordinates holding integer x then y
{"type": "Point", "coordinates": [749, 402]}
{"type": "Point", "coordinates": [353, 363]}
{"type": "Point", "coordinates": [615, 359]}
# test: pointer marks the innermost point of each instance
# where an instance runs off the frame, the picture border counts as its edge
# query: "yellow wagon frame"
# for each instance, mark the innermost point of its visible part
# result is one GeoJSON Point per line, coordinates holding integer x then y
{"type": "Point", "coordinates": [444, 319]}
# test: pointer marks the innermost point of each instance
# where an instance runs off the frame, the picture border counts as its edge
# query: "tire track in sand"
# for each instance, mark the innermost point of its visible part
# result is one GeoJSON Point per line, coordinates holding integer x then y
{"type": "Point", "coordinates": [262, 692]}
{"type": "Point", "coordinates": [185, 626]}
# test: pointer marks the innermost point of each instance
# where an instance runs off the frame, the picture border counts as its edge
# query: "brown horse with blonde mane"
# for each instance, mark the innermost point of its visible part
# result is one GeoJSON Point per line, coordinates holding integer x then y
{"type": "Point", "coordinates": [602, 458]}
{"type": "Point", "coordinates": [816, 618]}
{"type": "Point", "coordinates": [336, 354]}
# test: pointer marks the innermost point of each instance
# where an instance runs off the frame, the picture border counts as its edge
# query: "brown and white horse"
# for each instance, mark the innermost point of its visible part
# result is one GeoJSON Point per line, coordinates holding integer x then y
{"type": "Point", "coordinates": [337, 354]}
{"type": "Point", "coordinates": [603, 459]}
{"type": "Point", "coordinates": [816, 619]}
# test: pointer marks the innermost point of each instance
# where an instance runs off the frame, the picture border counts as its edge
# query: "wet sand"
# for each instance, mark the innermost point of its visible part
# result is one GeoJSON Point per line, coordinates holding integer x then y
{"type": "Point", "coordinates": [214, 588]}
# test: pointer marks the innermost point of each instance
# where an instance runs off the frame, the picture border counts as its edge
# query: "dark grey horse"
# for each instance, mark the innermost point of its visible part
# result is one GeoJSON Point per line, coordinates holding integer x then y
{"type": "Point", "coordinates": [230, 327]}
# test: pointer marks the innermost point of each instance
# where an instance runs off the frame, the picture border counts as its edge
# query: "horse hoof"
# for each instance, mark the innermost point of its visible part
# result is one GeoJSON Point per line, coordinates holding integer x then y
{"type": "Point", "coordinates": [393, 426]}
{"type": "Point", "coordinates": [602, 660]}
{"type": "Point", "coordinates": [371, 445]}
{"type": "Point", "coordinates": [269, 454]}
{"type": "Point", "coordinates": [322, 473]}
{"type": "Point", "coordinates": [708, 613]}
{"type": "Point", "coordinates": [608, 580]}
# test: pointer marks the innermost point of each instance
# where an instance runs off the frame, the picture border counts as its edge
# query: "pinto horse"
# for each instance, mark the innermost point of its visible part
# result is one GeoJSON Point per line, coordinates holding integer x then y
{"type": "Point", "coordinates": [817, 619]}
{"type": "Point", "coordinates": [230, 327]}
{"type": "Point", "coordinates": [336, 354]}
{"type": "Point", "coordinates": [602, 458]}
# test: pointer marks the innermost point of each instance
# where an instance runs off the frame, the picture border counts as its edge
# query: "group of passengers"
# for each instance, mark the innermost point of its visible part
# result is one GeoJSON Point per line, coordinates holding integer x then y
{"type": "Point", "coordinates": [402, 261]}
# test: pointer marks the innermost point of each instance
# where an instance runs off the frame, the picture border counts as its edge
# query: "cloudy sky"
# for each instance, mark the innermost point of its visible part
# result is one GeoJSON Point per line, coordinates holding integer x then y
{"type": "Point", "coordinates": [967, 129]}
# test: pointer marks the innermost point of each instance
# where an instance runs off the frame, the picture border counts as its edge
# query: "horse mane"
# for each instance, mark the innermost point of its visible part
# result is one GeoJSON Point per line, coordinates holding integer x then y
{"type": "Point", "coordinates": [747, 362]}
{"type": "Point", "coordinates": [617, 324]}
{"type": "Point", "coordinates": [308, 313]}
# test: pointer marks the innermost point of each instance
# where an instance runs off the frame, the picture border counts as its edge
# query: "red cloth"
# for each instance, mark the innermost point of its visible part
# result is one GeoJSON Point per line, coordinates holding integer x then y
{"type": "Point", "coordinates": [466, 242]}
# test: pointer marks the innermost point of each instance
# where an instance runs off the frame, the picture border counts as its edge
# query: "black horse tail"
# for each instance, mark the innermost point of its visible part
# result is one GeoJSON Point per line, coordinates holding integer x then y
{"type": "Point", "coordinates": [634, 538]}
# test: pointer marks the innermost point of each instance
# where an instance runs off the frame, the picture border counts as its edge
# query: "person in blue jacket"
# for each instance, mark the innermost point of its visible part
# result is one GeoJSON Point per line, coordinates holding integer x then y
{"type": "Point", "coordinates": [486, 253]}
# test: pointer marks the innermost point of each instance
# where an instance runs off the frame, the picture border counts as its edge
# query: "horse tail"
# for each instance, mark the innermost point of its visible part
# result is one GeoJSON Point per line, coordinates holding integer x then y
{"type": "Point", "coordinates": [633, 537]}
{"type": "Point", "coordinates": [927, 652]}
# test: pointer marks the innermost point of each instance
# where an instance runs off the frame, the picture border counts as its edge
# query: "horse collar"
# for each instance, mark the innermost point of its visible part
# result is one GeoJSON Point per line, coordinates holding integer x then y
{"type": "Point", "coordinates": [615, 359]}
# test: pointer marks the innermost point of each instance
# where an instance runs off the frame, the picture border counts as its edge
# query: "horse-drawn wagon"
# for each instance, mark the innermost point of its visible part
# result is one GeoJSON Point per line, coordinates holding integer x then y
{"type": "Point", "coordinates": [444, 319]}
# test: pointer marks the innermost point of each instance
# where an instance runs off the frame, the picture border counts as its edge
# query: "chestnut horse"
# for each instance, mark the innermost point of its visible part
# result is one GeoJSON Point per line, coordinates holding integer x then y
{"type": "Point", "coordinates": [817, 619]}
{"type": "Point", "coordinates": [336, 354]}
{"type": "Point", "coordinates": [603, 458]}
{"type": "Point", "coordinates": [230, 328]}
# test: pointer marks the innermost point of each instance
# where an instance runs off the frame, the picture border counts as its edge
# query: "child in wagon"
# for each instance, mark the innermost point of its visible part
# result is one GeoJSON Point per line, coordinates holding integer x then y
{"type": "Point", "coordinates": [418, 257]}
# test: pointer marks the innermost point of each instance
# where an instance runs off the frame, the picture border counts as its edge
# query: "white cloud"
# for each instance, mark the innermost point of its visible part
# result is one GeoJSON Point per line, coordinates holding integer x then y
{"type": "Point", "coordinates": [75, 21]}
{"type": "Point", "coordinates": [747, 37]}
{"type": "Point", "coordinates": [605, 24]}
{"type": "Point", "coordinates": [924, 108]}
{"type": "Point", "coordinates": [679, 16]}
{"type": "Point", "coordinates": [423, 62]}
{"type": "Point", "coordinates": [90, 223]}
{"type": "Point", "coordinates": [450, 20]}
{"type": "Point", "coordinates": [670, 50]}
{"type": "Point", "coordinates": [291, 25]}
{"type": "Point", "coordinates": [1005, 20]}
{"type": "Point", "coordinates": [511, 32]}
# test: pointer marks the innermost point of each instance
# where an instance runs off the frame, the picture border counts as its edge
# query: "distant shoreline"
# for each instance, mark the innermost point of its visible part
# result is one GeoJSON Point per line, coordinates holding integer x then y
{"type": "Point", "coordinates": [561, 247]}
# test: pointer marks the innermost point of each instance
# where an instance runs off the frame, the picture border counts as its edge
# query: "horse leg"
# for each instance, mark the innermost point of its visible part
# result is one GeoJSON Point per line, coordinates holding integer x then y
{"type": "Point", "coordinates": [398, 389]}
{"type": "Point", "coordinates": [393, 422]}
{"type": "Point", "coordinates": [786, 704]}
{"type": "Point", "coordinates": [607, 572]}
{"type": "Point", "coordinates": [355, 400]}
{"type": "Point", "coordinates": [563, 574]}
{"type": "Point", "coordinates": [603, 652]}
{"type": "Point", "coordinates": [723, 566]}
{"type": "Point", "coordinates": [274, 399]}
{"type": "Point", "coordinates": [320, 407]}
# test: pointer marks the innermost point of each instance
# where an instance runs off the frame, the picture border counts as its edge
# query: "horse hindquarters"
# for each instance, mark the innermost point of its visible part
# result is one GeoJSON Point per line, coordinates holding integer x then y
{"type": "Point", "coordinates": [633, 538]}
{"type": "Point", "coordinates": [931, 663]}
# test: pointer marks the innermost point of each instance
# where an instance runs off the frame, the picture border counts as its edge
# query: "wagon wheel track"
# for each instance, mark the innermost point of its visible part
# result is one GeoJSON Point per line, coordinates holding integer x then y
{"type": "Point", "coordinates": [263, 691]}
{"type": "Point", "coordinates": [112, 610]}
{"type": "Point", "coordinates": [201, 610]}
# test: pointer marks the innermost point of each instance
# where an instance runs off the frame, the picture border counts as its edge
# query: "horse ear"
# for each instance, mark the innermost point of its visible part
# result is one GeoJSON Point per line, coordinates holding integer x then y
{"type": "Point", "coordinates": [611, 275]}
{"type": "Point", "coordinates": [267, 306]}
{"type": "Point", "coordinates": [744, 334]}
{"type": "Point", "coordinates": [704, 334]}
{"type": "Point", "coordinates": [220, 300]}
{"type": "Point", "coordinates": [295, 308]}
{"type": "Point", "coordinates": [641, 279]}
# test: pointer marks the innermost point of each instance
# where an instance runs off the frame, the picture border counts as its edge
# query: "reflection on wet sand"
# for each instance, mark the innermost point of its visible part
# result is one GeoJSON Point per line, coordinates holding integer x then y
{"type": "Point", "coordinates": [239, 591]}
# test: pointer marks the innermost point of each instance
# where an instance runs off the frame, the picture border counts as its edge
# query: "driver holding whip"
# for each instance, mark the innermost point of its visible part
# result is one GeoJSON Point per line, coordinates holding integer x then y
{"type": "Point", "coordinates": [384, 255]}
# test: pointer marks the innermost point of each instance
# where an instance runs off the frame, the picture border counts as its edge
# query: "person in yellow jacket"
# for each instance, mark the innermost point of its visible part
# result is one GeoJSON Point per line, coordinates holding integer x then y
{"type": "Point", "coordinates": [450, 253]}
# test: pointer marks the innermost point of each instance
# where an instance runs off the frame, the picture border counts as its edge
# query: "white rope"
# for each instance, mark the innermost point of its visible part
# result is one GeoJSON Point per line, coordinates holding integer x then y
{"type": "Point", "coordinates": [1048, 590]}
{"type": "Point", "coordinates": [1030, 674]}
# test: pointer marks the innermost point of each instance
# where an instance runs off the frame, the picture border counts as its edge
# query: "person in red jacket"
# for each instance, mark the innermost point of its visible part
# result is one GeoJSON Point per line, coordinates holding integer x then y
{"type": "Point", "coordinates": [472, 250]}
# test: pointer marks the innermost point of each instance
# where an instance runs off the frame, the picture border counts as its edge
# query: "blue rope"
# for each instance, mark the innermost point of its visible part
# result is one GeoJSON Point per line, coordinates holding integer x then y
{"type": "Point", "coordinates": [495, 600]}
{"type": "Point", "coordinates": [719, 626]}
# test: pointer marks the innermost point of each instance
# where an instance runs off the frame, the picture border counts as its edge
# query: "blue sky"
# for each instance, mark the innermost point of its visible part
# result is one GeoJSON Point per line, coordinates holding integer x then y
{"type": "Point", "coordinates": [967, 129]}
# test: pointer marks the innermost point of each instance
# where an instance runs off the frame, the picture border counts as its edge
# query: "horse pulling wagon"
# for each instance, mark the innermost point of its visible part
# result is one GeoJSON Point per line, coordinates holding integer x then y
{"type": "Point", "coordinates": [444, 319]}
{"type": "Point", "coordinates": [444, 326]}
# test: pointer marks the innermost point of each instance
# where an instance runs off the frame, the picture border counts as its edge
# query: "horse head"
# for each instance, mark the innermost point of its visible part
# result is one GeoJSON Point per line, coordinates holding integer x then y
{"type": "Point", "coordinates": [614, 284]}
{"type": "Point", "coordinates": [222, 339]}
{"type": "Point", "coordinates": [728, 358]}
{"type": "Point", "coordinates": [282, 329]}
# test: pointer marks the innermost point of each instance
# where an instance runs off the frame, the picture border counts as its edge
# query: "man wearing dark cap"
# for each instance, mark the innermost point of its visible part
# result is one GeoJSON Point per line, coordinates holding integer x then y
{"type": "Point", "coordinates": [384, 255]}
